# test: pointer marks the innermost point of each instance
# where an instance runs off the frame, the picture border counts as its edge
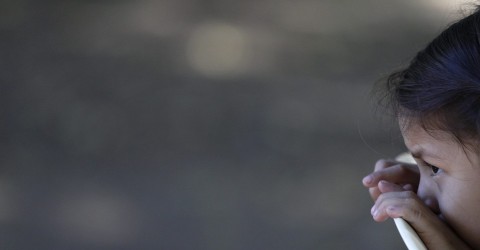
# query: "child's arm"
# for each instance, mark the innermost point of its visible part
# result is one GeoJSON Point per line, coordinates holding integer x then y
{"type": "Point", "coordinates": [392, 186]}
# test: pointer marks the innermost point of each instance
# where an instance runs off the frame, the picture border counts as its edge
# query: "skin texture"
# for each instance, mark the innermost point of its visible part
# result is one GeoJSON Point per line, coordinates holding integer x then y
{"type": "Point", "coordinates": [439, 197]}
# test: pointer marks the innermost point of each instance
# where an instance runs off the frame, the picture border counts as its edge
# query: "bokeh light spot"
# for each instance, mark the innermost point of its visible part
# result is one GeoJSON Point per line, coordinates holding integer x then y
{"type": "Point", "coordinates": [218, 49]}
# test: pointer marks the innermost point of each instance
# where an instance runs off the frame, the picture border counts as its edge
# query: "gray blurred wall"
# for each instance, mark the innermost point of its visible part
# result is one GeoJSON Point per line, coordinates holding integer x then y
{"type": "Point", "coordinates": [195, 124]}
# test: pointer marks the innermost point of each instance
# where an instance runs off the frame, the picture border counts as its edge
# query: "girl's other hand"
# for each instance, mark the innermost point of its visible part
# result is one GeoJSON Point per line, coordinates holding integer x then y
{"type": "Point", "coordinates": [395, 202]}
{"type": "Point", "coordinates": [405, 175]}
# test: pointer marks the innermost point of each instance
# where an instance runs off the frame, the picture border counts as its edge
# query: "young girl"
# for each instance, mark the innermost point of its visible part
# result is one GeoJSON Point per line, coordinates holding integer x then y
{"type": "Point", "coordinates": [437, 102]}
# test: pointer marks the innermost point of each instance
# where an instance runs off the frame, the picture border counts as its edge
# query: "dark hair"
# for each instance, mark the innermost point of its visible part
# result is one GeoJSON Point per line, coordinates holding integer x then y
{"type": "Point", "coordinates": [440, 88]}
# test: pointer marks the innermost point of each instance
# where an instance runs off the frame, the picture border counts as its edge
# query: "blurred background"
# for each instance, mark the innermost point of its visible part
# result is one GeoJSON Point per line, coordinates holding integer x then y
{"type": "Point", "coordinates": [199, 124]}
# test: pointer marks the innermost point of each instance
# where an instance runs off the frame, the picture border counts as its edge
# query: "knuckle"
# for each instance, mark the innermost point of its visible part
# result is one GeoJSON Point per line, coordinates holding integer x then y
{"type": "Point", "coordinates": [411, 204]}
{"type": "Point", "coordinates": [416, 214]}
{"type": "Point", "coordinates": [381, 164]}
{"type": "Point", "coordinates": [409, 196]}
{"type": "Point", "coordinates": [375, 175]}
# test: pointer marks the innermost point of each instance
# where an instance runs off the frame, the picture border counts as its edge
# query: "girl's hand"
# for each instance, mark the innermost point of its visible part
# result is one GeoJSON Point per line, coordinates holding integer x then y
{"type": "Point", "coordinates": [403, 174]}
{"type": "Point", "coordinates": [394, 201]}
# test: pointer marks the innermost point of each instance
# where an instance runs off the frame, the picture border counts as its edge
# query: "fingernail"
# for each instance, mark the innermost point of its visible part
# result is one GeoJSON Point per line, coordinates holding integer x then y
{"type": "Point", "coordinates": [373, 210]}
{"type": "Point", "coordinates": [368, 179]}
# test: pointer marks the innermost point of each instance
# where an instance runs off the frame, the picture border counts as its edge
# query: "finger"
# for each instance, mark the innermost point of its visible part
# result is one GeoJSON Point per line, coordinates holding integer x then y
{"type": "Point", "coordinates": [398, 173]}
{"type": "Point", "coordinates": [405, 174]}
{"type": "Point", "coordinates": [369, 181]}
{"type": "Point", "coordinates": [384, 163]}
{"type": "Point", "coordinates": [389, 200]}
{"type": "Point", "coordinates": [405, 204]}
{"type": "Point", "coordinates": [385, 187]}
{"type": "Point", "coordinates": [374, 193]}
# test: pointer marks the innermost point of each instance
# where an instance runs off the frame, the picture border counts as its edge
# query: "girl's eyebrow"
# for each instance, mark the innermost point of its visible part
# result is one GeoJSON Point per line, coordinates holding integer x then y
{"type": "Point", "coordinates": [419, 152]}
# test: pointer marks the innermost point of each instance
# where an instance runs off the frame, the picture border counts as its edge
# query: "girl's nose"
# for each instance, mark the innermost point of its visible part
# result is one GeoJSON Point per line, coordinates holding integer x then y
{"type": "Point", "coordinates": [432, 204]}
{"type": "Point", "coordinates": [427, 196]}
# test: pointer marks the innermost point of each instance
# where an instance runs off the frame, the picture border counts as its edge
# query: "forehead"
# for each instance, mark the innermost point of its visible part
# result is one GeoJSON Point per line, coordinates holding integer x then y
{"type": "Point", "coordinates": [438, 142]}
{"type": "Point", "coordinates": [418, 139]}
{"type": "Point", "coordinates": [414, 132]}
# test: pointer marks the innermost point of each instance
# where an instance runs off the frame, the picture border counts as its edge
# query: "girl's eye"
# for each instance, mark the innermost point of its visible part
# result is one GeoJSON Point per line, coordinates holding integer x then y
{"type": "Point", "coordinates": [435, 170]}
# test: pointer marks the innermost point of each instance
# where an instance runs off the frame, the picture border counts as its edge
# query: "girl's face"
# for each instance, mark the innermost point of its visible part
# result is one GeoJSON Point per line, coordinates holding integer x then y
{"type": "Point", "coordinates": [449, 179]}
